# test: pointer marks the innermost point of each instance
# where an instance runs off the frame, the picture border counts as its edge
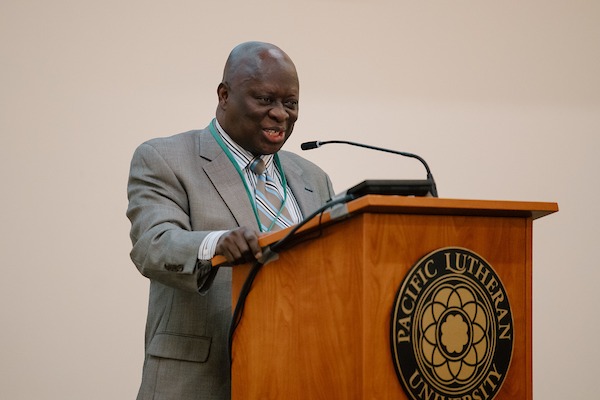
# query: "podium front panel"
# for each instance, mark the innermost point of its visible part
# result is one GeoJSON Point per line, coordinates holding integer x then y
{"type": "Point", "coordinates": [316, 324]}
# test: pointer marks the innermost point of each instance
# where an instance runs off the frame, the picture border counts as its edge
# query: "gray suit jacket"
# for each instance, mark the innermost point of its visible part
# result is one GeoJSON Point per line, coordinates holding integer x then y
{"type": "Point", "coordinates": [180, 188]}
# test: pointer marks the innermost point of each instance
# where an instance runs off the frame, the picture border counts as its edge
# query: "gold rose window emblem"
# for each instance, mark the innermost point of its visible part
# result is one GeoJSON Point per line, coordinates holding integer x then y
{"type": "Point", "coordinates": [454, 338]}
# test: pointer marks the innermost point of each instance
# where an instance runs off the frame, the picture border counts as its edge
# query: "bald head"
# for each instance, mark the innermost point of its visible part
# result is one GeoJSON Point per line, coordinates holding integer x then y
{"type": "Point", "coordinates": [258, 97]}
{"type": "Point", "coordinates": [246, 60]}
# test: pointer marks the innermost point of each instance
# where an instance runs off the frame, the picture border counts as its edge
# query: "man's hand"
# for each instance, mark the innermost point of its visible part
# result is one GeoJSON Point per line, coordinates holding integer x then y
{"type": "Point", "coordinates": [239, 245]}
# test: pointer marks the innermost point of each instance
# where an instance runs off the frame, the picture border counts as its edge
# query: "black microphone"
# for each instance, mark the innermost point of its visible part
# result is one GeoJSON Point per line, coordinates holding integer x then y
{"type": "Point", "coordinates": [310, 145]}
{"type": "Point", "coordinates": [317, 143]}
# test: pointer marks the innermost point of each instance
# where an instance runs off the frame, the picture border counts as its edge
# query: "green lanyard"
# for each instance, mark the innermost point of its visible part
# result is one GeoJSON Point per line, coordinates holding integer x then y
{"type": "Point", "coordinates": [223, 146]}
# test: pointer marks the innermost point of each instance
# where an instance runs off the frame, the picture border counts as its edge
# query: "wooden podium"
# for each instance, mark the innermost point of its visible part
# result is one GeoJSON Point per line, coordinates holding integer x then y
{"type": "Point", "coordinates": [316, 324]}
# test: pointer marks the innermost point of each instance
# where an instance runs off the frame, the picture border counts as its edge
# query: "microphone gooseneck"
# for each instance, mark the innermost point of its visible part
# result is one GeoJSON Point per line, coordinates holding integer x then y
{"type": "Point", "coordinates": [315, 144]}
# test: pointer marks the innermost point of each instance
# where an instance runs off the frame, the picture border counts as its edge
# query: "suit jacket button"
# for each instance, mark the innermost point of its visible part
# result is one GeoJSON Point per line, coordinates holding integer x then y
{"type": "Point", "coordinates": [174, 267]}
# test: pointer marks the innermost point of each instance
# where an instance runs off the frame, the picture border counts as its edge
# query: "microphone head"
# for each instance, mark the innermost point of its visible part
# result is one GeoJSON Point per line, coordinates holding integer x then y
{"type": "Point", "coordinates": [309, 145]}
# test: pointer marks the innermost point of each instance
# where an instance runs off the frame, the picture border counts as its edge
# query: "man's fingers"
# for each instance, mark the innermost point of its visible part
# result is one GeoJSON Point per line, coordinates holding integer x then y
{"type": "Point", "coordinates": [239, 245]}
{"type": "Point", "coordinates": [252, 242]}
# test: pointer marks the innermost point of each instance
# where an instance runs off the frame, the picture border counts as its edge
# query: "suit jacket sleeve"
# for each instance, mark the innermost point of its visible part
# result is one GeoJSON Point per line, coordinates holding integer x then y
{"type": "Point", "coordinates": [165, 248]}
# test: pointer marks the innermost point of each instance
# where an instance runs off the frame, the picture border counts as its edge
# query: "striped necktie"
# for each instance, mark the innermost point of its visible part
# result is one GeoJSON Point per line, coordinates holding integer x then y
{"type": "Point", "coordinates": [272, 213]}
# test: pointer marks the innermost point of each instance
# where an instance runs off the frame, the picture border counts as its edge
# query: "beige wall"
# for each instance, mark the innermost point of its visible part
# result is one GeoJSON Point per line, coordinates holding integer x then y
{"type": "Point", "coordinates": [502, 98]}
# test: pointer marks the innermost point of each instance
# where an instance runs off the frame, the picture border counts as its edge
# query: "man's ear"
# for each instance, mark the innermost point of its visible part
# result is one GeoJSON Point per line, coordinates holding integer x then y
{"type": "Point", "coordinates": [223, 94]}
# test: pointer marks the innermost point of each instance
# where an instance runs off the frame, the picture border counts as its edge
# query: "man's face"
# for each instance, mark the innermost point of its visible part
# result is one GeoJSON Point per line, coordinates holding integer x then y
{"type": "Point", "coordinates": [259, 109]}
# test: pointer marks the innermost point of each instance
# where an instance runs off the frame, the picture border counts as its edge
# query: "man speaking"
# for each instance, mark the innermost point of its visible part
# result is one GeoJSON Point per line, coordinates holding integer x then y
{"type": "Point", "coordinates": [212, 192]}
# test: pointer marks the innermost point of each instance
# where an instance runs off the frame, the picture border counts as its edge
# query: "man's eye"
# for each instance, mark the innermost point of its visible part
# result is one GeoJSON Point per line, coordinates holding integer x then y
{"type": "Point", "coordinates": [265, 99]}
{"type": "Point", "coordinates": [291, 104]}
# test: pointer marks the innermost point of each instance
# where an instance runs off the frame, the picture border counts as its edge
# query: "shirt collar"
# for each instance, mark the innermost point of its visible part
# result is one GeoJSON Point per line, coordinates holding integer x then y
{"type": "Point", "coordinates": [242, 156]}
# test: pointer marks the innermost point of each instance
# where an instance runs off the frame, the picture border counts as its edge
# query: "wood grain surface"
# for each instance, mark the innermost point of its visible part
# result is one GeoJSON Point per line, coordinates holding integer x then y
{"type": "Point", "coordinates": [316, 324]}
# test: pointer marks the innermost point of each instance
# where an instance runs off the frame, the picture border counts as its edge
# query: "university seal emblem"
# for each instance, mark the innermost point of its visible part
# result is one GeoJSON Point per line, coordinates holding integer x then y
{"type": "Point", "coordinates": [451, 328]}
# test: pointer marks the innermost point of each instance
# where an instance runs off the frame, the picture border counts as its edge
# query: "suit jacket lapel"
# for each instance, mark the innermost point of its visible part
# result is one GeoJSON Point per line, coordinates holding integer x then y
{"type": "Point", "coordinates": [304, 192]}
{"type": "Point", "coordinates": [226, 180]}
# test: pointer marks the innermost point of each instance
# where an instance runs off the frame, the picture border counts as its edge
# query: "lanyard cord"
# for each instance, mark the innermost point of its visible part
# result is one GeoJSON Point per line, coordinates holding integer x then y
{"type": "Point", "coordinates": [223, 146]}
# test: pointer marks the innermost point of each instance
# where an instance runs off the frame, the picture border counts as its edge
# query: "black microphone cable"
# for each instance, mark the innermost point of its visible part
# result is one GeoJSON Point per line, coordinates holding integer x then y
{"type": "Point", "coordinates": [268, 253]}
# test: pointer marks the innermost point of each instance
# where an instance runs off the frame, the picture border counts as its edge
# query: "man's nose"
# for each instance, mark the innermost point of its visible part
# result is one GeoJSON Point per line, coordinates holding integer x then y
{"type": "Point", "coordinates": [278, 112]}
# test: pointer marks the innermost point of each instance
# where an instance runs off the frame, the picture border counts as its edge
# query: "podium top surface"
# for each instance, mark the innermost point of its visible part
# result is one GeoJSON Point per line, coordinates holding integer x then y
{"type": "Point", "coordinates": [418, 205]}
{"type": "Point", "coordinates": [437, 206]}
